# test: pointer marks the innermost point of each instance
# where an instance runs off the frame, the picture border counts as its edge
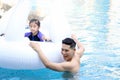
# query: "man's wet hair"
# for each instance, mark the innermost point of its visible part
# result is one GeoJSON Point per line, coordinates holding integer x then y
{"type": "Point", "coordinates": [69, 41]}
{"type": "Point", "coordinates": [36, 22]}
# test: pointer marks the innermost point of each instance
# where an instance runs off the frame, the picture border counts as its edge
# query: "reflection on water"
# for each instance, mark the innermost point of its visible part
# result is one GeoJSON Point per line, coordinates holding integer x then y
{"type": "Point", "coordinates": [97, 24]}
{"type": "Point", "coordinates": [114, 27]}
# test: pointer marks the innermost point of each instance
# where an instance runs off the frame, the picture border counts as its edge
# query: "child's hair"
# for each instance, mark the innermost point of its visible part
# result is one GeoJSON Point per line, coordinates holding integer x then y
{"type": "Point", "coordinates": [69, 41]}
{"type": "Point", "coordinates": [36, 22]}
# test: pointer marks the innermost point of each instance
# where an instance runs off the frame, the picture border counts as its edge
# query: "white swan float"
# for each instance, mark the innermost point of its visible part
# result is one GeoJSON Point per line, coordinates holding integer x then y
{"type": "Point", "coordinates": [15, 53]}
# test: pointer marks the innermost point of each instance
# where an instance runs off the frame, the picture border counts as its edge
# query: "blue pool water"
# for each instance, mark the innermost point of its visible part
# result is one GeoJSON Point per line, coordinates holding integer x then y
{"type": "Point", "coordinates": [97, 25]}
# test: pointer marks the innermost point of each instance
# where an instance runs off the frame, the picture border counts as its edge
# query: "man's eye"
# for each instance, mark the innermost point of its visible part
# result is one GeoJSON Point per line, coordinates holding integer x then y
{"type": "Point", "coordinates": [66, 50]}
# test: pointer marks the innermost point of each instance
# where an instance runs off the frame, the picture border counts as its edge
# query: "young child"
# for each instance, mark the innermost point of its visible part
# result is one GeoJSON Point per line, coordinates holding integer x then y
{"type": "Point", "coordinates": [35, 34]}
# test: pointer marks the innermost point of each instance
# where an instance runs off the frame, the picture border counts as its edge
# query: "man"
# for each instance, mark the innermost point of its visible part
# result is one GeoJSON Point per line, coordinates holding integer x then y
{"type": "Point", "coordinates": [70, 54]}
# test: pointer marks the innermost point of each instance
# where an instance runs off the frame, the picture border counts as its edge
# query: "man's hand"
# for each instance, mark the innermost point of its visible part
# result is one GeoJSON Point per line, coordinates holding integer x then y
{"type": "Point", "coordinates": [35, 46]}
{"type": "Point", "coordinates": [74, 37]}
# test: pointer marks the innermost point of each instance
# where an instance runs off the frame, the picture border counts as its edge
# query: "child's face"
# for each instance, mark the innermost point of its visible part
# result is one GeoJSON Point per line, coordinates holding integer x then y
{"type": "Point", "coordinates": [34, 28]}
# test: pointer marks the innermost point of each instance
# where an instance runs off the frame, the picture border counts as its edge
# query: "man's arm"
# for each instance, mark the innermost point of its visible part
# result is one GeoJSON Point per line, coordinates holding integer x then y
{"type": "Point", "coordinates": [81, 49]}
{"type": "Point", "coordinates": [64, 66]}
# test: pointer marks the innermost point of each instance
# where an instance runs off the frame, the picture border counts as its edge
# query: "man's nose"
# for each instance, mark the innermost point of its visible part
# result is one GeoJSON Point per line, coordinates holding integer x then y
{"type": "Point", "coordinates": [63, 52]}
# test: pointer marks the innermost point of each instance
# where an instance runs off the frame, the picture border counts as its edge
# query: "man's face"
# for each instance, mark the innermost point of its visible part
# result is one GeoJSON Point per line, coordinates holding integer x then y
{"type": "Point", "coordinates": [34, 28]}
{"type": "Point", "coordinates": [67, 52]}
